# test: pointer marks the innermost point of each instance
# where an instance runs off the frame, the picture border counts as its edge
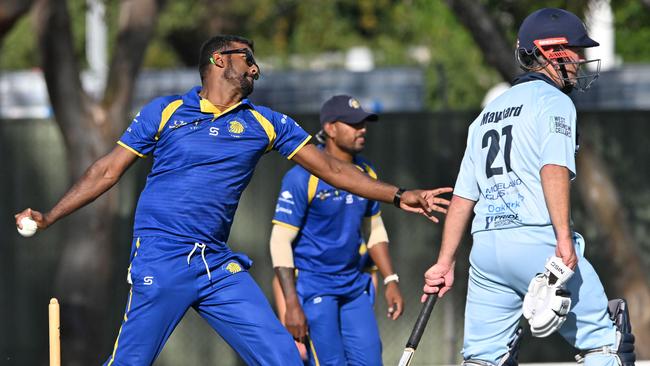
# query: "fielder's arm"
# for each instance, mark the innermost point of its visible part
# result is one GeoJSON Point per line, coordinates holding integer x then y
{"type": "Point", "coordinates": [293, 317]}
{"type": "Point", "coordinates": [378, 250]}
{"type": "Point", "coordinates": [440, 277]}
{"type": "Point", "coordinates": [556, 186]}
{"type": "Point", "coordinates": [278, 298]}
{"type": "Point", "coordinates": [347, 177]}
{"type": "Point", "coordinates": [98, 178]}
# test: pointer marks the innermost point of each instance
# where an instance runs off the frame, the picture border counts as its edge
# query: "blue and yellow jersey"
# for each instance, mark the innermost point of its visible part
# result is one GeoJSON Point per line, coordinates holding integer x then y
{"type": "Point", "coordinates": [328, 219]}
{"type": "Point", "coordinates": [366, 264]}
{"type": "Point", "coordinates": [203, 159]}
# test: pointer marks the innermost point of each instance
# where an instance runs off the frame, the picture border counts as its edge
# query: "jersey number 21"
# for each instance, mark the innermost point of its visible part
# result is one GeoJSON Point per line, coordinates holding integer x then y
{"type": "Point", "coordinates": [492, 137]}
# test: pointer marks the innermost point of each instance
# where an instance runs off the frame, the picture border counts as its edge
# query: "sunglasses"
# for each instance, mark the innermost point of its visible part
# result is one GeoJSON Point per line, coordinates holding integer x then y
{"type": "Point", "coordinates": [250, 59]}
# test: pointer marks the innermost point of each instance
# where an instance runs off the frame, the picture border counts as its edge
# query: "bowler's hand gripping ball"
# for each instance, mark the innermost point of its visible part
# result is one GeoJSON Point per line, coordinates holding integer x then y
{"type": "Point", "coordinates": [29, 227]}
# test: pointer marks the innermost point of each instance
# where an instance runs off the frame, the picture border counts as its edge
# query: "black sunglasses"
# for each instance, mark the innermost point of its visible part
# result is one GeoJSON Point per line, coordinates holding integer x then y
{"type": "Point", "coordinates": [250, 59]}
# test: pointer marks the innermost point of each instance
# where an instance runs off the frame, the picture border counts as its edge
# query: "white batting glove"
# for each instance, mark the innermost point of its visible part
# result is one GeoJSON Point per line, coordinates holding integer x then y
{"type": "Point", "coordinates": [547, 301]}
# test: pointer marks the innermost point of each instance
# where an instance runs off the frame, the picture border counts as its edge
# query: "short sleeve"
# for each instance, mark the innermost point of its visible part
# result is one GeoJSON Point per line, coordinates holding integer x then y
{"type": "Point", "coordinates": [372, 209]}
{"type": "Point", "coordinates": [140, 136]}
{"type": "Point", "coordinates": [556, 129]}
{"type": "Point", "coordinates": [292, 202]}
{"type": "Point", "coordinates": [466, 184]}
{"type": "Point", "coordinates": [290, 137]}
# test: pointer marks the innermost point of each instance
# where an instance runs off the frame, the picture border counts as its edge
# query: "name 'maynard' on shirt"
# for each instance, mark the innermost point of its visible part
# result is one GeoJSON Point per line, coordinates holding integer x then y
{"type": "Point", "coordinates": [494, 117]}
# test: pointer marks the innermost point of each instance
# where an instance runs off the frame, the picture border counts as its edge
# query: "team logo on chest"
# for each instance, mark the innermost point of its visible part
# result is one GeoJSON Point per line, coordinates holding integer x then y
{"type": "Point", "coordinates": [236, 127]}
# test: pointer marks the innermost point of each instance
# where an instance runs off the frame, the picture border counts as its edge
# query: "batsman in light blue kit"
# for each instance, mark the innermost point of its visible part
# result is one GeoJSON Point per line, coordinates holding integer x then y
{"type": "Point", "coordinates": [205, 145]}
{"type": "Point", "coordinates": [515, 175]}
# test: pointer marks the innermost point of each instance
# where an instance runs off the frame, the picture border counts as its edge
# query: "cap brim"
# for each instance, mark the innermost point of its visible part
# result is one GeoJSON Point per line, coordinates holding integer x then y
{"type": "Point", "coordinates": [584, 42]}
{"type": "Point", "coordinates": [360, 116]}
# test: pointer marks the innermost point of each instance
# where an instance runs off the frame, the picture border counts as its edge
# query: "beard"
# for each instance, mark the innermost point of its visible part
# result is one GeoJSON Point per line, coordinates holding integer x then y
{"type": "Point", "coordinates": [241, 81]}
{"type": "Point", "coordinates": [352, 148]}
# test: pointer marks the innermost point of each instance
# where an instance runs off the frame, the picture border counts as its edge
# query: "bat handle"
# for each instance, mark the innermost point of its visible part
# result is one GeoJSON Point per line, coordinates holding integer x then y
{"type": "Point", "coordinates": [421, 322]}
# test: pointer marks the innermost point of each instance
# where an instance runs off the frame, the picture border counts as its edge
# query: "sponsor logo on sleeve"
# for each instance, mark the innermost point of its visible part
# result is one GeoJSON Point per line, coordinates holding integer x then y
{"type": "Point", "coordinates": [558, 125]}
{"type": "Point", "coordinates": [280, 209]}
{"type": "Point", "coordinates": [286, 197]}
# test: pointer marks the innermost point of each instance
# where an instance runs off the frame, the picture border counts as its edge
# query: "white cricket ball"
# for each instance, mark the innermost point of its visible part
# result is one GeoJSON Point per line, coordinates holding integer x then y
{"type": "Point", "coordinates": [29, 227]}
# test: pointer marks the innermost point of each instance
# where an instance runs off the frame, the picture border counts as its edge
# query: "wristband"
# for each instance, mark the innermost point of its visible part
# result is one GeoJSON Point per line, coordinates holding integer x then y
{"type": "Point", "coordinates": [391, 278]}
{"type": "Point", "coordinates": [397, 199]}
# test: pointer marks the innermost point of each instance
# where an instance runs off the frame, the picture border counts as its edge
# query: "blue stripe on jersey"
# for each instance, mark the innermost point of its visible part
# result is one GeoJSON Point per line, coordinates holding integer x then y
{"type": "Point", "coordinates": [329, 219]}
{"type": "Point", "coordinates": [203, 159]}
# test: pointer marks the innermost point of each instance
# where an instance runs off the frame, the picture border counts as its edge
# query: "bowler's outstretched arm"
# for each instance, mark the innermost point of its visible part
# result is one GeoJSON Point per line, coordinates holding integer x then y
{"type": "Point", "coordinates": [98, 178]}
{"type": "Point", "coordinates": [347, 177]}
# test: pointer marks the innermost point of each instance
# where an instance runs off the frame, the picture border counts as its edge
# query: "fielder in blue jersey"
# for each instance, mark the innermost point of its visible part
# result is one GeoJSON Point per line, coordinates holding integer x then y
{"type": "Point", "coordinates": [315, 248]}
{"type": "Point", "coordinates": [515, 176]}
{"type": "Point", "coordinates": [205, 145]}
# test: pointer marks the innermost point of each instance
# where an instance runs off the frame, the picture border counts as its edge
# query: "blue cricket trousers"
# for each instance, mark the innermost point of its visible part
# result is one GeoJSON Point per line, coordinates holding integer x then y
{"type": "Point", "coordinates": [341, 320]}
{"type": "Point", "coordinates": [165, 286]}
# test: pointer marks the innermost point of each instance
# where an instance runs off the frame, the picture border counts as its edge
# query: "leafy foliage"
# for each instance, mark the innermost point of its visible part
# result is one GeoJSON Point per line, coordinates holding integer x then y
{"type": "Point", "coordinates": [18, 48]}
{"type": "Point", "coordinates": [632, 23]}
{"type": "Point", "coordinates": [293, 33]}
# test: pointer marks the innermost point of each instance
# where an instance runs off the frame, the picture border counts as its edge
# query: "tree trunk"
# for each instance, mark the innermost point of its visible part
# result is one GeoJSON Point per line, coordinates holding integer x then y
{"type": "Point", "coordinates": [601, 197]}
{"type": "Point", "coordinates": [488, 36]}
{"type": "Point", "coordinates": [10, 12]}
{"type": "Point", "coordinates": [85, 265]}
{"type": "Point", "coordinates": [90, 130]}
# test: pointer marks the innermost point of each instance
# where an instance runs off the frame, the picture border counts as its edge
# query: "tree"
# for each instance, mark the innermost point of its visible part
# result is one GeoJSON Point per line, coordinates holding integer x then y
{"type": "Point", "coordinates": [596, 186]}
{"type": "Point", "coordinates": [90, 129]}
{"type": "Point", "coordinates": [10, 12]}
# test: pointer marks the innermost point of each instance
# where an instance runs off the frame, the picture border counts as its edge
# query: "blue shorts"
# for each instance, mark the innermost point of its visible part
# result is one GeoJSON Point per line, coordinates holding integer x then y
{"type": "Point", "coordinates": [341, 320]}
{"type": "Point", "coordinates": [165, 286]}
{"type": "Point", "coordinates": [502, 263]}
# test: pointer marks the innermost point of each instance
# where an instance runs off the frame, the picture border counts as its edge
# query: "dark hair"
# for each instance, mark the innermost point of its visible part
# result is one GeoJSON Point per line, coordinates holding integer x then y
{"type": "Point", "coordinates": [218, 43]}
